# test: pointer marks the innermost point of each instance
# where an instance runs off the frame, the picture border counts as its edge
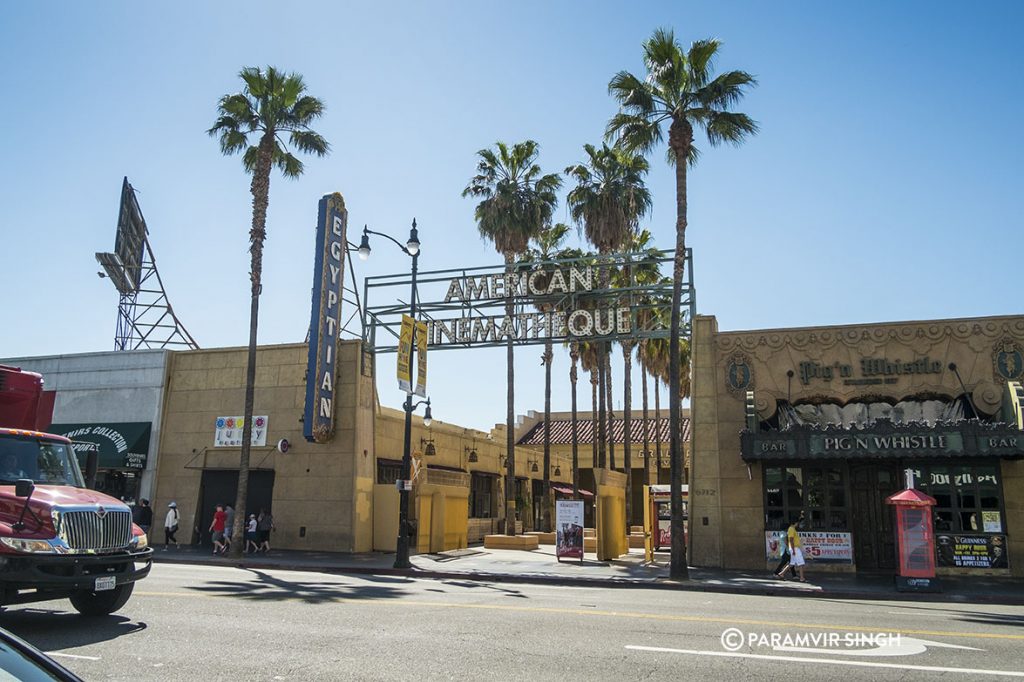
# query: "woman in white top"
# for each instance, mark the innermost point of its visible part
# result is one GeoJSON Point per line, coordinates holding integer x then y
{"type": "Point", "coordinates": [250, 534]}
{"type": "Point", "coordinates": [171, 525]}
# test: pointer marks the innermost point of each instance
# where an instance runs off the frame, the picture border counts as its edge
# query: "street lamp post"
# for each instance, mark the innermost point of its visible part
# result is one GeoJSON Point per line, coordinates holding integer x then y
{"type": "Point", "coordinates": [412, 249]}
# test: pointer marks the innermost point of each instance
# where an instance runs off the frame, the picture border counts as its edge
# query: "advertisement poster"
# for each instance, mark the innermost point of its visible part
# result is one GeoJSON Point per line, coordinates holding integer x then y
{"type": "Point", "coordinates": [228, 433]}
{"type": "Point", "coordinates": [569, 529]}
{"type": "Point", "coordinates": [972, 551]}
{"type": "Point", "coordinates": [122, 445]}
{"type": "Point", "coordinates": [421, 359]}
{"type": "Point", "coordinates": [405, 354]}
{"type": "Point", "coordinates": [823, 548]}
{"type": "Point", "coordinates": [991, 522]}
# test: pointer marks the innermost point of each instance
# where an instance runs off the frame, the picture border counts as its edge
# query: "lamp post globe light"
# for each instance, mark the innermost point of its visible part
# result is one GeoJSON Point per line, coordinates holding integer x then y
{"type": "Point", "coordinates": [412, 249]}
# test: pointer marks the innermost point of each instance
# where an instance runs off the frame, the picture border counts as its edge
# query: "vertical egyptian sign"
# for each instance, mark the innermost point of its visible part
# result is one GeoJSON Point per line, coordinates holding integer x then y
{"type": "Point", "coordinates": [325, 319]}
{"type": "Point", "coordinates": [421, 359]}
{"type": "Point", "coordinates": [405, 354]}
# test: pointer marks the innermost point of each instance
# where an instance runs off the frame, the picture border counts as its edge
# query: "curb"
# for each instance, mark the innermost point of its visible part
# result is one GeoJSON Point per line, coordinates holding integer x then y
{"type": "Point", "coordinates": [619, 583]}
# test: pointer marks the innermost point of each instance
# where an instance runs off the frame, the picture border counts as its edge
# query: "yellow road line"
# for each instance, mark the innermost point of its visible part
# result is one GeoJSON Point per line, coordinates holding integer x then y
{"type": "Point", "coordinates": [623, 614]}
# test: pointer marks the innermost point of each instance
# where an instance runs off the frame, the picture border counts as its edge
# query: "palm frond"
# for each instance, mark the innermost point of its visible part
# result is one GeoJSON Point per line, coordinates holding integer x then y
{"type": "Point", "coordinates": [729, 127]}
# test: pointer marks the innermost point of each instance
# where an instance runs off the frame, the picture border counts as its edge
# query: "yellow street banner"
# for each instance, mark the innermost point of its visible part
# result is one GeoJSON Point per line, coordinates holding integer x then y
{"type": "Point", "coordinates": [405, 354]}
{"type": "Point", "coordinates": [421, 359]}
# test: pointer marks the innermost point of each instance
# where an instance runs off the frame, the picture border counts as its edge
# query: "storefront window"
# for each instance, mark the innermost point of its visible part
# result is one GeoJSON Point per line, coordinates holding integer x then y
{"type": "Point", "coordinates": [388, 471]}
{"type": "Point", "coordinates": [818, 492]}
{"type": "Point", "coordinates": [480, 496]}
{"type": "Point", "coordinates": [968, 498]}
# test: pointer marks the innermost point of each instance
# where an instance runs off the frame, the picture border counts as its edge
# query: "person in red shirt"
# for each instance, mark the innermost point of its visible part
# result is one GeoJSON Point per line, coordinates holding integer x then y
{"type": "Point", "coordinates": [217, 528]}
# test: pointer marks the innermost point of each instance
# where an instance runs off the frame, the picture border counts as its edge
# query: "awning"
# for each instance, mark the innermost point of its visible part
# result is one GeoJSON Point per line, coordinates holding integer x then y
{"type": "Point", "coordinates": [564, 490]}
{"type": "Point", "coordinates": [123, 445]}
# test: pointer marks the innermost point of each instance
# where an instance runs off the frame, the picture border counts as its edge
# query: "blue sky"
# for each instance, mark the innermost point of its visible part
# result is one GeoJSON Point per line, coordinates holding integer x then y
{"type": "Point", "coordinates": [884, 184]}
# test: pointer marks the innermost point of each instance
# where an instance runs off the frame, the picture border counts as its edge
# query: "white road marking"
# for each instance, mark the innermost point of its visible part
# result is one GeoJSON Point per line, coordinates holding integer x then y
{"type": "Point", "coordinates": [84, 658]}
{"type": "Point", "coordinates": [831, 661]}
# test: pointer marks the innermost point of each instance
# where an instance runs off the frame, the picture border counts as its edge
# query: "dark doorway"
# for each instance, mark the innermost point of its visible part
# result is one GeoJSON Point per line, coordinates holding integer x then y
{"type": "Point", "coordinates": [874, 544]}
{"type": "Point", "coordinates": [221, 487]}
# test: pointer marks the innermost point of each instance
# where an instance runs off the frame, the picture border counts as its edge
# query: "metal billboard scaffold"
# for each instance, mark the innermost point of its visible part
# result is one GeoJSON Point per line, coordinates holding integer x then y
{"type": "Point", "coordinates": [145, 318]}
{"type": "Point", "coordinates": [590, 298]}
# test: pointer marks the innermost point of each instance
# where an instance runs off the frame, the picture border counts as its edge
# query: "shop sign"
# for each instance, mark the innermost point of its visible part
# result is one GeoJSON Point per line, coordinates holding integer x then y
{"type": "Point", "coordinates": [228, 432]}
{"type": "Point", "coordinates": [946, 442]}
{"type": "Point", "coordinates": [868, 372]}
{"type": "Point", "coordinates": [325, 319]}
{"type": "Point", "coordinates": [819, 547]}
{"type": "Point", "coordinates": [968, 439]}
{"type": "Point", "coordinates": [569, 529]}
{"type": "Point", "coordinates": [122, 445]}
{"type": "Point", "coordinates": [972, 551]}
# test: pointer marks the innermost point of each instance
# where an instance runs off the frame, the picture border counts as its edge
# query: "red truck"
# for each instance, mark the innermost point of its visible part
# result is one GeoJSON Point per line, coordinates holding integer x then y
{"type": "Point", "coordinates": [58, 539]}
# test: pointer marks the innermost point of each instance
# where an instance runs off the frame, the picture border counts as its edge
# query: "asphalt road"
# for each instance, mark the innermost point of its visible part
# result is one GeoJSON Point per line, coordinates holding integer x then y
{"type": "Point", "coordinates": [216, 623]}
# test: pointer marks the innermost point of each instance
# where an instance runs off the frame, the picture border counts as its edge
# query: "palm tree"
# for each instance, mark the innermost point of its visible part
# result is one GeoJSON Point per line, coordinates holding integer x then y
{"type": "Point", "coordinates": [608, 201]}
{"type": "Point", "coordinates": [679, 91]}
{"type": "Point", "coordinates": [516, 202]}
{"type": "Point", "coordinates": [546, 246]}
{"type": "Point", "coordinates": [589, 363]}
{"type": "Point", "coordinates": [252, 122]}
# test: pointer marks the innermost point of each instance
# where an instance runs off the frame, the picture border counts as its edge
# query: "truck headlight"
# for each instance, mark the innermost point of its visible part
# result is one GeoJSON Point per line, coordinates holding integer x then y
{"type": "Point", "coordinates": [28, 546]}
{"type": "Point", "coordinates": [139, 542]}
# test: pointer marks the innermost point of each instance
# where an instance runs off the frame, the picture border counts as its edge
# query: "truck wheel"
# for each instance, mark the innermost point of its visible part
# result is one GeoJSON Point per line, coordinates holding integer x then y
{"type": "Point", "coordinates": [90, 603]}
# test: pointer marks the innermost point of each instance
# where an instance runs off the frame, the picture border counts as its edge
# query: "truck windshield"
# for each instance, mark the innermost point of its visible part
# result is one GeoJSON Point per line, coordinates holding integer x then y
{"type": "Point", "coordinates": [44, 461]}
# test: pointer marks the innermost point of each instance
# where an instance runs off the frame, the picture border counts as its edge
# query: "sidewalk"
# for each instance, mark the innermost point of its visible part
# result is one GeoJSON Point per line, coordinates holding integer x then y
{"type": "Point", "coordinates": [541, 566]}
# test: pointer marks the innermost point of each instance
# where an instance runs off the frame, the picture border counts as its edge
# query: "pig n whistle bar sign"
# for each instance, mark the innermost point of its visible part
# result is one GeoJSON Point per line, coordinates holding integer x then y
{"type": "Point", "coordinates": [325, 319]}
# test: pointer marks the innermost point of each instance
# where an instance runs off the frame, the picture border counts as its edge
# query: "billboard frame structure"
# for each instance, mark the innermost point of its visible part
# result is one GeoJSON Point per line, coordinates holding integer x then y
{"type": "Point", "coordinates": [145, 318]}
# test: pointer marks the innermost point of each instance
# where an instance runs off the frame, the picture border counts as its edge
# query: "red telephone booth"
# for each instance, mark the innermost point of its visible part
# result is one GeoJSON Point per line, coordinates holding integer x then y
{"type": "Point", "coordinates": [915, 539]}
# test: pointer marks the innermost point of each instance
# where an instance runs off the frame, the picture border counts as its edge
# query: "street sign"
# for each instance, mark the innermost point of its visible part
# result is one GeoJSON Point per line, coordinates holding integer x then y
{"type": "Point", "coordinates": [403, 485]}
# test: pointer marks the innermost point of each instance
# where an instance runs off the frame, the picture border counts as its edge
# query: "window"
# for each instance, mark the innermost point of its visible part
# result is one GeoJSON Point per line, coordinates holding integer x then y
{"type": "Point", "coordinates": [819, 492]}
{"type": "Point", "coordinates": [968, 497]}
{"type": "Point", "coordinates": [481, 496]}
{"type": "Point", "coordinates": [388, 471]}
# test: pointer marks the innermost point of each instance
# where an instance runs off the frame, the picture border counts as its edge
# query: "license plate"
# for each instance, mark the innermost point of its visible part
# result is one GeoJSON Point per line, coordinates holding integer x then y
{"type": "Point", "coordinates": [106, 582]}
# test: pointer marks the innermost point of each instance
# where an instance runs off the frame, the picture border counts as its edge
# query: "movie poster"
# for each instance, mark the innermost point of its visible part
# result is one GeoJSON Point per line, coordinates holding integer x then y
{"type": "Point", "coordinates": [569, 529]}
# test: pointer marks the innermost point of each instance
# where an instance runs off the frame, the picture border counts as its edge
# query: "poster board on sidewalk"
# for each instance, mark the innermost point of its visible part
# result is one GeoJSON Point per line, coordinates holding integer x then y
{"type": "Point", "coordinates": [569, 529]}
{"type": "Point", "coordinates": [819, 547]}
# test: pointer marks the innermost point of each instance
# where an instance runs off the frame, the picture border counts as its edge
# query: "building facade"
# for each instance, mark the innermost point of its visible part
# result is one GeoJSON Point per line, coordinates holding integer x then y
{"type": "Point", "coordinates": [113, 400]}
{"type": "Point", "coordinates": [825, 423]}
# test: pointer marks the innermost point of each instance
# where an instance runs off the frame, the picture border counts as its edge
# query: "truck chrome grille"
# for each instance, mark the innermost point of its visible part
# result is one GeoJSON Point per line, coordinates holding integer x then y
{"type": "Point", "coordinates": [87, 531]}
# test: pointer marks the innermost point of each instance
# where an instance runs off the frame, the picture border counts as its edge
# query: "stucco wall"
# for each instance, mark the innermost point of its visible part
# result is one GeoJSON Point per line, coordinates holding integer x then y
{"type": "Point", "coordinates": [325, 488]}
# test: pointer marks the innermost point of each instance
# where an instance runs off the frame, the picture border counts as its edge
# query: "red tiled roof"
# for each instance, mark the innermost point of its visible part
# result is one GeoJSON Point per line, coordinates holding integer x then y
{"type": "Point", "coordinates": [561, 431]}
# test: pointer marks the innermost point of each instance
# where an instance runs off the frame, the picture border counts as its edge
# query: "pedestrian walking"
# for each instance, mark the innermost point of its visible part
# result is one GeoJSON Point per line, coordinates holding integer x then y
{"type": "Point", "coordinates": [217, 529]}
{"type": "Point", "coordinates": [229, 526]}
{"type": "Point", "coordinates": [796, 554]}
{"type": "Point", "coordinates": [251, 535]}
{"type": "Point", "coordinates": [264, 524]}
{"type": "Point", "coordinates": [145, 516]}
{"type": "Point", "coordinates": [171, 525]}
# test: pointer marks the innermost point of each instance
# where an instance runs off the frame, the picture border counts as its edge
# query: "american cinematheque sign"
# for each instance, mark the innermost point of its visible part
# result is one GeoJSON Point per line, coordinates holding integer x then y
{"type": "Point", "coordinates": [583, 299]}
{"type": "Point", "coordinates": [325, 319]}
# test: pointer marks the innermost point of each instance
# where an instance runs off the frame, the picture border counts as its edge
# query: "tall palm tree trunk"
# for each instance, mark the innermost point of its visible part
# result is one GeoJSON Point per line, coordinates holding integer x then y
{"type": "Point", "coordinates": [510, 416]}
{"type": "Point", "coordinates": [260, 189]}
{"type": "Point", "coordinates": [574, 355]}
{"type": "Point", "coordinates": [627, 433]}
{"type": "Point", "coordinates": [657, 425]}
{"type": "Point", "coordinates": [602, 423]}
{"type": "Point", "coordinates": [607, 360]}
{"type": "Point", "coordinates": [549, 356]}
{"type": "Point", "coordinates": [647, 427]}
{"type": "Point", "coordinates": [593, 420]}
{"type": "Point", "coordinates": [680, 139]}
